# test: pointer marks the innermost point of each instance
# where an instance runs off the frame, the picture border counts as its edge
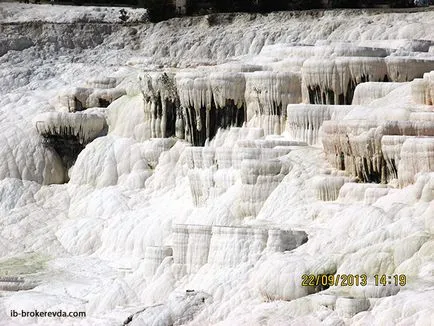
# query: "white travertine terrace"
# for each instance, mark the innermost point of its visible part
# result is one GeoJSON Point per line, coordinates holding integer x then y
{"type": "Point", "coordinates": [267, 95]}
{"type": "Point", "coordinates": [407, 128]}
{"type": "Point", "coordinates": [367, 92]}
{"type": "Point", "coordinates": [84, 126]}
{"type": "Point", "coordinates": [372, 194]}
{"type": "Point", "coordinates": [337, 141]}
{"type": "Point", "coordinates": [191, 245]}
{"type": "Point", "coordinates": [227, 246]}
{"type": "Point", "coordinates": [283, 240]}
{"type": "Point", "coordinates": [236, 67]}
{"type": "Point", "coordinates": [327, 187]}
{"type": "Point", "coordinates": [111, 160]}
{"type": "Point", "coordinates": [200, 157]}
{"type": "Point", "coordinates": [357, 192]}
{"type": "Point", "coordinates": [259, 178]}
{"type": "Point", "coordinates": [411, 45]}
{"type": "Point", "coordinates": [417, 155]}
{"type": "Point", "coordinates": [154, 256]}
{"type": "Point", "coordinates": [391, 147]}
{"type": "Point", "coordinates": [402, 69]}
{"type": "Point", "coordinates": [80, 98]}
{"type": "Point", "coordinates": [305, 120]}
{"type": "Point", "coordinates": [289, 64]}
{"type": "Point", "coordinates": [193, 104]}
{"type": "Point", "coordinates": [153, 229]}
{"type": "Point", "coordinates": [212, 171]}
{"type": "Point", "coordinates": [324, 49]}
{"type": "Point", "coordinates": [202, 186]}
{"type": "Point", "coordinates": [332, 81]}
{"type": "Point", "coordinates": [155, 147]}
{"type": "Point", "coordinates": [103, 83]}
{"type": "Point", "coordinates": [349, 307]}
{"type": "Point", "coordinates": [356, 145]}
{"type": "Point", "coordinates": [199, 238]}
{"type": "Point", "coordinates": [180, 244]}
{"type": "Point", "coordinates": [127, 117]}
{"type": "Point", "coordinates": [231, 246]}
{"type": "Point", "coordinates": [276, 143]}
{"type": "Point", "coordinates": [41, 164]}
{"type": "Point", "coordinates": [423, 89]}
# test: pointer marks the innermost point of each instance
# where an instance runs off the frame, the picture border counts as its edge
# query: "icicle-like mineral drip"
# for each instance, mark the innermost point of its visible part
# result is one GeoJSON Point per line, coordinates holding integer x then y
{"type": "Point", "coordinates": [337, 138]}
{"type": "Point", "coordinates": [391, 147]}
{"type": "Point", "coordinates": [227, 86]}
{"type": "Point", "coordinates": [401, 69]}
{"type": "Point", "coordinates": [333, 81]}
{"type": "Point", "coordinates": [305, 120]}
{"type": "Point", "coordinates": [84, 126]}
{"type": "Point", "coordinates": [355, 145]}
{"type": "Point", "coordinates": [210, 101]}
{"type": "Point", "coordinates": [267, 96]}
{"type": "Point", "coordinates": [327, 187]}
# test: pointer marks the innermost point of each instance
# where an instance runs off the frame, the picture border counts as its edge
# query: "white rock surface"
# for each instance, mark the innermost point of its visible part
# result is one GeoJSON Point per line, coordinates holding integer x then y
{"type": "Point", "coordinates": [243, 214]}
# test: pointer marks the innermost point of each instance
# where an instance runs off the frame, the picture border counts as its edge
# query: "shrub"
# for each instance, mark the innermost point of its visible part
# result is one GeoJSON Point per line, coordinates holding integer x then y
{"type": "Point", "coordinates": [123, 15]}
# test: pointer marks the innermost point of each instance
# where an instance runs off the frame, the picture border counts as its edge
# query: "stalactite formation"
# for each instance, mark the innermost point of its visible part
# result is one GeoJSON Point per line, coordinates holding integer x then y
{"type": "Point", "coordinates": [356, 146]}
{"type": "Point", "coordinates": [305, 120]}
{"type": "Point", "coordinates": [193, 104]}
{"type": "Point", "coordinates": [209, 102]}
{"type": "Point", "coordinates": [333, 81]}
{"type": "Point", "coordinates": [327, 187]}
{"type": "Point", "coordinates": [267, 96]}
{"type": "Point", "coordinates": [68, 133]}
